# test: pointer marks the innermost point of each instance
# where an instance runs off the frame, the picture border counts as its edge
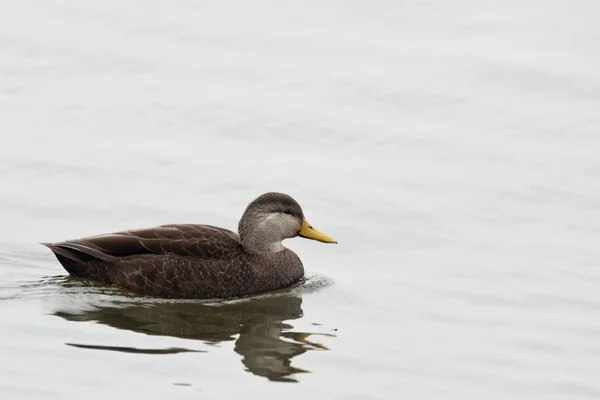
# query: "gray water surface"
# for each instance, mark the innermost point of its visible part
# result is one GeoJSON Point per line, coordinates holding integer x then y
{"type": "Point", "coordinates": [452, 149]}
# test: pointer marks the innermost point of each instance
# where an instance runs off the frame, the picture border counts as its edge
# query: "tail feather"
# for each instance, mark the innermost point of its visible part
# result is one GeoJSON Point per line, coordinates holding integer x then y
{"type": "Point", "coordinates": [65, 253]}
{"type": "Point", "coordinates": [76, 256]}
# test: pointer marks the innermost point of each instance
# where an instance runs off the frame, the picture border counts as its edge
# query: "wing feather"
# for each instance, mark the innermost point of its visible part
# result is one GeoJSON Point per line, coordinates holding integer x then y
{"type": "Point", "coordinates": [199, 241]}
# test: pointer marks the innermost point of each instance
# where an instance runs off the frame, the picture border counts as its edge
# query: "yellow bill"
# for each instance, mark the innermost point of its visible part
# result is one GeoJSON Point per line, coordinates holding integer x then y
{"type": "Point", "coordinates": [309, 232]}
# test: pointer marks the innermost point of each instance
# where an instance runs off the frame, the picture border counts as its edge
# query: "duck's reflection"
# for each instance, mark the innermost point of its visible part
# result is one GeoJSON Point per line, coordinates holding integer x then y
{"type": "Point", "coordinates": [264, 342]}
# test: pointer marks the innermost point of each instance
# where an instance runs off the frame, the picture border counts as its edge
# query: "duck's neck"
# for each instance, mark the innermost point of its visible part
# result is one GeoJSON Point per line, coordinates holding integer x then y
{"type": "Point", "coordinates": [261, 241]}
{"type": "Point", "coordinates": [262, 248]}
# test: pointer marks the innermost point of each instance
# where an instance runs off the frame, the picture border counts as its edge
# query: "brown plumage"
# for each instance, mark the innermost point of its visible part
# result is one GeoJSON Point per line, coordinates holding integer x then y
{"type": "Point", "coordinates": [198, 261]}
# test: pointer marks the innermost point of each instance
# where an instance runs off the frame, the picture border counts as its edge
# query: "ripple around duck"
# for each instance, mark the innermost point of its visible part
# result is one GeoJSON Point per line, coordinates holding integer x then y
{"type": "Point", "coordinates": [29, 281]}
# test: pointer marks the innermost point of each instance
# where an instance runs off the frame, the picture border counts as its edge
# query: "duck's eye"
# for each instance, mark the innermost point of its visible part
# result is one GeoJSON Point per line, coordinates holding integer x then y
{"type": "Point", "coordinates": [288, 212]}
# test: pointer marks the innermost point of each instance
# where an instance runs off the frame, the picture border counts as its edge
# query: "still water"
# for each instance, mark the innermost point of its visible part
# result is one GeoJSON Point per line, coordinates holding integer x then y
{"type": "Point", "coordinates": [452, 149]}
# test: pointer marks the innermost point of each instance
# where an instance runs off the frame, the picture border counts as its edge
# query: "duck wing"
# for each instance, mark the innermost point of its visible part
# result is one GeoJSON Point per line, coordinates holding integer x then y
{"type": "Point", "coordinates": [185, 240]}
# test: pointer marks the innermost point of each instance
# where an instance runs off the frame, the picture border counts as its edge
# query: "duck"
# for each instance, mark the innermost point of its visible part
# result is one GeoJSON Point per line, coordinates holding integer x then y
{"type": "Point", "coordinates": [198, 261]}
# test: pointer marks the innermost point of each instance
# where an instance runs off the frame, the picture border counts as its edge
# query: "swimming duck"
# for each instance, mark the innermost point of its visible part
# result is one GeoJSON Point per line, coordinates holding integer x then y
{"type": "Point", "coordinates": [198, 261]}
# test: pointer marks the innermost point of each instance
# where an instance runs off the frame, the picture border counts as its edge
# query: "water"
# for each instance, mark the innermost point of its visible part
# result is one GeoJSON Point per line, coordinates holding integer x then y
{"type": "Point", "coordinates": [450, 148]}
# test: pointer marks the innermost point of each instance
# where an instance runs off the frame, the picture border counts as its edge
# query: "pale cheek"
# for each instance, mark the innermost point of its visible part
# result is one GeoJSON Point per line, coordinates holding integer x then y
{"type": "Point", "coordinates": [285, 225]}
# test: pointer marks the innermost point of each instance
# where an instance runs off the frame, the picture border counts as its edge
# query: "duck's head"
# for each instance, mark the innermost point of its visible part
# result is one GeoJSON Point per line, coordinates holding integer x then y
{"type": "Point", "coordinates": [271, 218]}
